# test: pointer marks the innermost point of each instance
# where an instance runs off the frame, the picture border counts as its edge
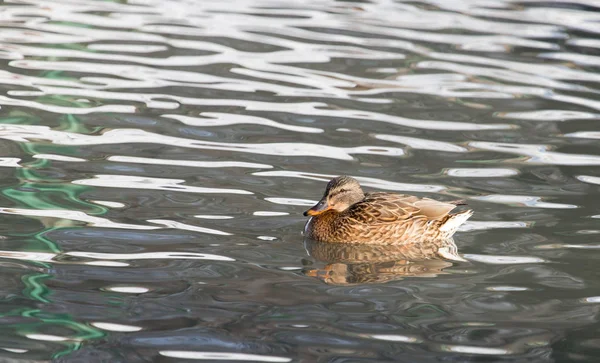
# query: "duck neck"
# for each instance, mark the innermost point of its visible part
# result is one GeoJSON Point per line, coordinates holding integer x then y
{"type": "Point", "coordinates": [321, 225]}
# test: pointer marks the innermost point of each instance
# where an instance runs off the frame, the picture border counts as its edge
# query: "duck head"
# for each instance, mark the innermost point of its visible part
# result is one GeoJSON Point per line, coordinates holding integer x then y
{"type": "Point", "coordinates": [340, 194]}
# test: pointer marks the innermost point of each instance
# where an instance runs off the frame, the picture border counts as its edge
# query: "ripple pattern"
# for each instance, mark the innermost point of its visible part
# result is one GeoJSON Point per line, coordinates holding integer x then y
{"type": "Point", "coordinates": [157, 155]}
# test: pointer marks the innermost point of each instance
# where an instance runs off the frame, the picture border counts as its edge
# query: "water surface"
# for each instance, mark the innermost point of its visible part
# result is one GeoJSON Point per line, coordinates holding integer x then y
{"type": "Point", "coordinates": [156, 157]}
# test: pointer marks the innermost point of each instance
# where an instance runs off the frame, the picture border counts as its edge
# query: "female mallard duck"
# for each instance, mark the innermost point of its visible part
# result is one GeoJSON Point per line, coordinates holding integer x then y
{"type": "Point", "coordinates": [345, 214]}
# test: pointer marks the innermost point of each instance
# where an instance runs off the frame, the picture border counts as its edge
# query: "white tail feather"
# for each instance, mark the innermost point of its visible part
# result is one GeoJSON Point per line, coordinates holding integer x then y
{"type": "Point", "coordinates": [455, 221]}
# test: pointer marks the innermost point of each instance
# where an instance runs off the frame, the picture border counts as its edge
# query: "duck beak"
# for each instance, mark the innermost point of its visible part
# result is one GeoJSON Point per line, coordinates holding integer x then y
{"type": "Point", "coordinates": [319, 208]}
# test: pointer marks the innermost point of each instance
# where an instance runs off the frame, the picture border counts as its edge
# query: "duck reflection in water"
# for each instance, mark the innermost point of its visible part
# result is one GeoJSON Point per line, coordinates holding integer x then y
{"type": "Point", "coordinates": [349, 263]}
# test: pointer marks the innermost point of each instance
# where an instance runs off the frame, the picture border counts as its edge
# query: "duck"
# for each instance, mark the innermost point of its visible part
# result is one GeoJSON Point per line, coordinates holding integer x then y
{"type": "Point", "coordinates": [345, 214]}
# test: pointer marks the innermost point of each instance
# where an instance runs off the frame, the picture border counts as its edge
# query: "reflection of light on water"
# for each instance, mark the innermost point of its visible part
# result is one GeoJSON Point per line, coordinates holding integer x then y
{"type": "Point", "coordinates": [135, 182]}
{"type": "Point", "coordinates": [109, 204]}
{"type": "Point", "coordinates": [388, 185]}
{"type": "Point", "coordinates": [128, 48]}
{"type": "Point", "coordinates": [589, 179]}
{"type": "Point", "coordinates": [208, 216]}
{"type": "Point", "coordinates": [585, 134]}
{"type": "Point", "coordinates": [538, 154]}
{"type": "Point", "coordinates": [395, 338]}
{"type": "Point", "coordinates": [423, 144]}
{"type": "Point", "coordinates": [269, 213]}
{"type": "Point", "coordinates": [58, 157]}
{"type": "Point", "coordinates": [150, 256]}
{"type": "Point", "coordinates": [24, 133]}
{"type": "Point", "coordinates": [549, 115]}
{"type": "Point", "coordinates": [10, 162]}
{"type": "Point", "coordinates": [106, 263]}
{"type": "Point", "coordinates": [75, 216]}
{"type": "Point", "coordinates": [591, 299]}
{"type": "Point", "coordinates": [189, 163]}
{"type": "Point", "coordinates": [364, 181]}
{"type": "Point", "coordinates": [285, 83]}
{"type": "Point", "coordinates": [187, 227]}
{"type": "Point", "coordinates": [473, 349]}
{"type": "Point", "coordinates": [292, 201]}
{"type": "Point", "coordinates": [588, 231]}
{"type": "Point", "coordinates": [14, 350]}
{"type": "Point", "coordinates": [581, 59]}
{"type": "Point", "coordinates": [308, 108]}
{"type": "Point", "coordinates": [222, 356]}
{"type": "Point", "coordinates": [523, 200]}
{"type": "Point", "coordinates": [486, 225]}
{"type": "Point", "coordinates": [506, 288]}
{"type": "Point", "coordinates": [52, 257]}
{"type": "Point", "coordinates": [31, 256]}
{"type": "Point", "coordinates": [65, 110]}
{"type": "Point", "coordinates": [48, 337]}
{"type": "Point", "coordinates": [128, 289]}
{"type": "Point", "coordinates": [481, 172]}
{"type": "Point", "coordinates": [116, 327]}
{"type": "Point", "coordinates": [222, 119]}
{"type": "Point", "coordinates": [503, 260]}
{"type": "Point", "coordinates": [553, 246]}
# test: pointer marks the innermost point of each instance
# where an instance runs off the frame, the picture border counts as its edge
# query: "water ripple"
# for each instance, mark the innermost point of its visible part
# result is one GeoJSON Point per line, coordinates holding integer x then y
{"type": "Point", "coordinates": [122, 136]}
{"type": "Point", "coordinates": [187, 163]}
{"type": "Point", "coordinates": [74, 216]}
{"type": "Point", "coordinates": [133, 182]}
{"type": "Point", "coordinates": [105, 257]}
{"type": "Point", "coordinates": [503, 260]}
{"type": "Point", "coordinates": [115, 327]}
{"type": "Point", "coordinates": [219, 119]}
{"type": "Point", "coordinates": [110, 108]}
{"type": "Point", "coordinates": [222, 356]}
{"type": "Point", "coordinates": [187, 227]}
{"type": "Point", "coordinates": [364, 181]}
{"type": "Point", "coordinates": [540, 154]}
{"type": "Point", "coordinates": [523, 200]}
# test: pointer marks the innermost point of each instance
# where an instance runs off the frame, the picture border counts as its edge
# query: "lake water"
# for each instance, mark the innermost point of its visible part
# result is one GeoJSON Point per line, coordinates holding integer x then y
{"type": "Point", "coordinates": [156, 158]}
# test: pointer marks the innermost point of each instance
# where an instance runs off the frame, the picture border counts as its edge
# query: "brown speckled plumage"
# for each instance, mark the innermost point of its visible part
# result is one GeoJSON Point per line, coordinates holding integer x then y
{"type": "Point", "coordinates": [346, 215]}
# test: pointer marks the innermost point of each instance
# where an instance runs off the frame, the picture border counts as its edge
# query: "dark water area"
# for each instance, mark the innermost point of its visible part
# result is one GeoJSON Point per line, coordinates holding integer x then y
{"type": "Point", "coordinates": [156, 158]}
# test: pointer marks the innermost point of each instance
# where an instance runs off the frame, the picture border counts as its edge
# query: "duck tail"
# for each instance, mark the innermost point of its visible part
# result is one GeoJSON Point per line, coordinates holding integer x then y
{"type": "Point", "coordinates": [451, 224]}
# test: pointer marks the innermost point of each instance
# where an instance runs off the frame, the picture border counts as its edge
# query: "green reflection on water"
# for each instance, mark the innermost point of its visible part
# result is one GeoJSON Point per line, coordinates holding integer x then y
{"type": "Point", "coordinates": [20, 117]}
{"type": "Point", "coordinates": [63, 101]}
{"type": "Point", "coordinates": [56, 75]}
{"type": "Point", "coordinates": [71, 23]}
{"type": "Point", "coordinates": [35, 288]}
{"type": "Point", "coordinates": [37, 189]}
{"type": "Point", "coordinates": [80, 332]}
{"type": "Point", "coordinates": [44, 196]}
{"type": "Point", "coordinates": [71, 123]}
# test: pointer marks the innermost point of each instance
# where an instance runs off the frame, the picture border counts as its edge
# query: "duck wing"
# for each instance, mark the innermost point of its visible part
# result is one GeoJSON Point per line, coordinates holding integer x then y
{"type": "Point", "coordinates": [381, 208]}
